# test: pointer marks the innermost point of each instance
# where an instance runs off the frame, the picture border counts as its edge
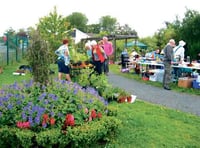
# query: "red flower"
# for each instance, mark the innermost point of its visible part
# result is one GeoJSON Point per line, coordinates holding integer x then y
{"type": "Point", "coordinates": [69, 121]}
{"type": "Point", "coordinates": [45, 117]}
{"type": "Point", "coordinates": [99, 115]}
{"type": "Point", "coordinates": [93, 113]}
{"type": "Point", "coordinates": [52, 121]}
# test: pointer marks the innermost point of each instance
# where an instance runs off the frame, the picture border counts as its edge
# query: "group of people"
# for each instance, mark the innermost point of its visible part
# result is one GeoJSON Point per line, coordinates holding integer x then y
{"type": "Point", "coordinates": [172, 53]}
{"type": "Point", "coordinates": [98, 53]}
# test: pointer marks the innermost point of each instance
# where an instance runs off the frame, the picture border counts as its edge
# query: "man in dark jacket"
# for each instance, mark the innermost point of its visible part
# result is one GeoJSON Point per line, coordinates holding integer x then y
{"type": "Point", "coordinates": [167, 60]}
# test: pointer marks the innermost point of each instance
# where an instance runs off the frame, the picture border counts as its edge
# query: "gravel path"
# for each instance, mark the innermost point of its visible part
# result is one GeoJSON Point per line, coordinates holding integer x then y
{"type": "Point", "coordinates": [180, 101]}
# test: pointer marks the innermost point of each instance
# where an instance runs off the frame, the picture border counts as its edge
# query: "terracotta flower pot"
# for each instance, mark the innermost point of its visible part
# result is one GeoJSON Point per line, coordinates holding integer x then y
{"type": "Point", "coordinates": [129, 99]}
{"type": "Point", "coordinates": [122, 99]}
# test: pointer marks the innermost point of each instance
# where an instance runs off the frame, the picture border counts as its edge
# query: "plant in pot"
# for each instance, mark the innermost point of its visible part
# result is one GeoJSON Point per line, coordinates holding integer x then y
{"type": "Point", "coordinates": [123, 95]}
{"type": "Point", "coordinates": [110, 93]}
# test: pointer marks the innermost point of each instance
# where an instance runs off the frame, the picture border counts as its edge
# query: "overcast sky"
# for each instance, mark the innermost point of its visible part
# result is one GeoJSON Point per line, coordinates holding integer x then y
{"type": "Point", "coordinates": [145, 16]}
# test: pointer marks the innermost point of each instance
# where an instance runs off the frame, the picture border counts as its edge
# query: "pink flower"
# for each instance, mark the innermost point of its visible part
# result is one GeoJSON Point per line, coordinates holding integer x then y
{"type": "Point", "coordinates": [90, 118]}
{"type": "Point", "coordinates": [23, 124]}
{"type": "Point", "coordinates": [86, 110]}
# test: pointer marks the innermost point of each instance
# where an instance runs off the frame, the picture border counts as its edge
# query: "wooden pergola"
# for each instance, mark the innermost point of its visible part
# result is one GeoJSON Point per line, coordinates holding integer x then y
{"type": "Point", "coordinates": [112, 38]}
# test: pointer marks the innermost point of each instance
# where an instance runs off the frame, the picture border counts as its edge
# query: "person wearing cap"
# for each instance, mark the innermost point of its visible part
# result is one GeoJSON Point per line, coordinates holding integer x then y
{"type": "Point", "coordinates": [63, 60]}
{"type": "Point", "coordinates": [108, 49]}
{"type": "Point", "coordinates": [167, 61]}
{"type": "Point", "coordinates": [179, 52]}
{"type": "Point", "coordinates": [98, 56]}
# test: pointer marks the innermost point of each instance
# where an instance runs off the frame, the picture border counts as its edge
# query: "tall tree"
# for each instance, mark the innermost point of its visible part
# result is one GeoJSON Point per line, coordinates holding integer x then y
{"type": "Point", "coordinates": [108, 24]}
{"type": "Point", "coordinates": [93, 28]}
{"type": "Point", "coordinates": [78, 20]}
{"type": "Point", "coordinates": [124, 30]}
{"type": "Point", "coordinates": [190, 32]}
{"type": "Point", "coordinates": [53, 28]}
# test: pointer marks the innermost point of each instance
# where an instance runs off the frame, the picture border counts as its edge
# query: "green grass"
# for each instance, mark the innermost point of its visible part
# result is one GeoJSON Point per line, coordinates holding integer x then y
{"type": "Point", "coordinates": [144, 125]}
{"type": "Point", "coordinates": [7, 76]}
{"type": "Point", "coordinates": [147, 125]}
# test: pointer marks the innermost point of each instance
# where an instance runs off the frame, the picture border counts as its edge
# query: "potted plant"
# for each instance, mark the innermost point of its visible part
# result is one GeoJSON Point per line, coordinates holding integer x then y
{"type": "Point", "coordinates": [123, 95]}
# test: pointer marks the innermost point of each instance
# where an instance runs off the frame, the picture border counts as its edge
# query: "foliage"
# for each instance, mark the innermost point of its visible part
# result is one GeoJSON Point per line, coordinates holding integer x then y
{"type": "Point", "coordinates": [77, 20]}
{"type": "Point", "coordinates": [108, 23]}
{"type": "Point", "coordinates": [94, 28]}
{"type": "Point", "coordinates": [39, 59]}
{"type": "Point", "coordinates": [125, 30]}
{"type": "Point", "coordinates": [79, 136]}
{"type": "Point", "coordinates": [190, 32]}
{"type": "Point", "coordinates": [86, 78]}
{"type": "Point", "coordinates": [76, 56]}
{"type": "Point", "coordinates": [61, 106]}
{"type": "Point", "coordinates": [148, 125]}
{"type": "Point", "coordinates": [28, 106]}
{"type": "Point", "coordinates": [53, 28]}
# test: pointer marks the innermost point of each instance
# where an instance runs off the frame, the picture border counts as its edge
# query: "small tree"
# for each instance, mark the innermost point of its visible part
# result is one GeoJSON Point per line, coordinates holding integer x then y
{"type": "Point", "coordinates": [39, 59]}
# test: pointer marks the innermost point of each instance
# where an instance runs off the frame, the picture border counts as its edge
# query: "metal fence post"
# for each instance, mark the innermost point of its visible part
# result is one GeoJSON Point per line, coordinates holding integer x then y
{"type": "Point", "coordinates": [7, 48]}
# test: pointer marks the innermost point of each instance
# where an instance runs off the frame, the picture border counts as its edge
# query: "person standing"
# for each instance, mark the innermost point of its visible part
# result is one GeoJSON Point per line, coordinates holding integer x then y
{"type": "Point", "coordinates": [89, 51]}
{"type": "Point", "coordinates": [108, 49]}
{"type": "Point", "coordinates": [167, 60]}
{"type": "Point", "coordinates": [179, 52]}
{"type": "Point", "coordinates": [98, 56]}
{"type": "Point", "coordinates": [63, 60]}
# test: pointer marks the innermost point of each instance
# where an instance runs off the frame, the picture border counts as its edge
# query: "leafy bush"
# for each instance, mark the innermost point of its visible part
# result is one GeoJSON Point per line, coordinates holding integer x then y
{"type": "Point", "coordinates": [29, 113]}
{"type": "Point", "coordinates": [78, 136]}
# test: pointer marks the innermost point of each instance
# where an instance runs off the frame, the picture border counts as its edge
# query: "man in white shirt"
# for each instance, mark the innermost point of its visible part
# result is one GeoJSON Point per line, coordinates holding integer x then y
{"type": "Point", "coordinates": [179, 52]}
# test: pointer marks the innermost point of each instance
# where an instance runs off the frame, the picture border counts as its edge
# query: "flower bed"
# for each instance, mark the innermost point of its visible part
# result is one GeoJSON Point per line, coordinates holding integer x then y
{"type": "Point", "coordinates": [60, 114]}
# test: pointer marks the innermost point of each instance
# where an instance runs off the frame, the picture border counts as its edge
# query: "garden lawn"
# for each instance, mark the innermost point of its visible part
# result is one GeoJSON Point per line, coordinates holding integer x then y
{"type": "Point", "coordinates": [7, 76]}
{"type": "Point", "coordinates": [147, 125]}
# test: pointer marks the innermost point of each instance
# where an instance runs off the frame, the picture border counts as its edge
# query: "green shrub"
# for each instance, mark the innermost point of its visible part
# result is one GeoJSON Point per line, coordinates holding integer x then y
{"type": "Point", "coordinates": [62, 113]}
{"type": "Point", "coordinates": [78, 136]}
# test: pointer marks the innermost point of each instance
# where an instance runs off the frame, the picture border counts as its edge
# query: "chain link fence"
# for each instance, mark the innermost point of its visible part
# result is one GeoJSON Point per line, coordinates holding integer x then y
{"type": "Point", "coordinates": [12, 49]}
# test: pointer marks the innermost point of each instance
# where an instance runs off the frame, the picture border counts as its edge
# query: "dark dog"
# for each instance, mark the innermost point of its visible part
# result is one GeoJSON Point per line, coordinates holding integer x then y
{"type": "Point", "coordinates": [25, 67]}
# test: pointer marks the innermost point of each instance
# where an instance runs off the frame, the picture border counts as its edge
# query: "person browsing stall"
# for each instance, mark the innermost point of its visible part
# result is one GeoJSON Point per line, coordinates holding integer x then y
{"type": "Point", "coordinates": [179, 52]}
{"type": "Point", "coordinates": [98, 56]}
{"type": "Point", "coordinates": [63, 60]}
{"type": "Point", "coordinates": [167, 61]}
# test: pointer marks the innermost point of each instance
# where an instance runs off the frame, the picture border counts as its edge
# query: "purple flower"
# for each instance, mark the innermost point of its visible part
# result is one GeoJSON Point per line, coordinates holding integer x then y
{"type": "Point", "coordinates": [42, 96]}
{"type": "Point", "coordinates": [37, 120]}
{"type": "Point", "coordinates": [9, 106]}
{"type": "Point", "coordinates": [30, 120]}
{"type": "Point", "coordinates": [24, 117]}
{"type": "Point", "coordinates": [18, 102]}
{"type": "Point", "coordinates": [53, 96]}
